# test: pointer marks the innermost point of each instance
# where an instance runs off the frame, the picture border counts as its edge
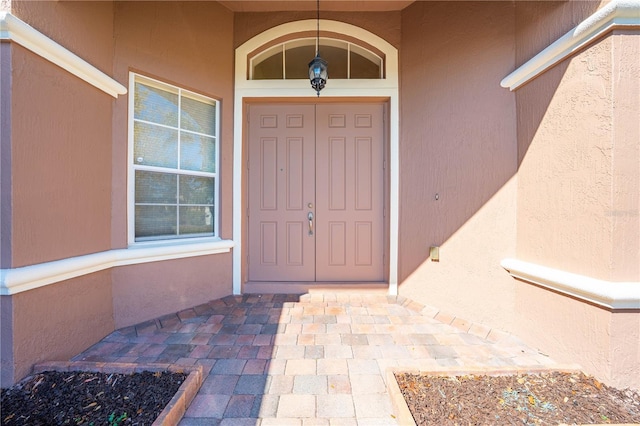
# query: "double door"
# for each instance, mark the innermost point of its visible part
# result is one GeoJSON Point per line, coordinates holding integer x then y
{"type": "Point", "coordinates": [316, 192]}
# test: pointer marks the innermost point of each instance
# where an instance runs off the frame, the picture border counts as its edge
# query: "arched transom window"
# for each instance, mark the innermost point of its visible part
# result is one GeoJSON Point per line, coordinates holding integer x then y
{"type": "Point", "coordinates": [290, 60]}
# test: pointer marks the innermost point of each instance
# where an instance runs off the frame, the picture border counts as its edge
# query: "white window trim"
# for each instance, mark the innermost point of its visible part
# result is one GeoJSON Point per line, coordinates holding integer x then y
{"type": "Point", "coordinates": [131, 176]}
{"type": "Point", "coordinates": [16, 30]}
{"type": "Point", "coordinates": [366, 53]}
{"type": "Point", "coordinates": [616, 14]}
{"type": "Point", "coordinates": [609, 294]}
{"type": "Point", "coordinates": [387, 87]}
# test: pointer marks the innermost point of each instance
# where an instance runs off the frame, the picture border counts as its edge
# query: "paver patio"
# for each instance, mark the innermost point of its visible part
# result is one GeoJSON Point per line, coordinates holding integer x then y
{"type": "Point", "coordinates": [315, 359]}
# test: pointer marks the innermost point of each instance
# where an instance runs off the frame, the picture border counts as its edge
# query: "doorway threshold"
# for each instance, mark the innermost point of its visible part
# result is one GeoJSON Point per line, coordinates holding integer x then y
{"type": "Point", "coordinates": [294, 287]}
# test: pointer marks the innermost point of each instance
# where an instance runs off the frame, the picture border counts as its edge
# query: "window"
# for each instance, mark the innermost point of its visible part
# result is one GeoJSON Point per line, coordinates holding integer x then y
{"type": "Point", "coordinates": [174, 162]}
{"type": "Point", "coordinates": [289, 60]}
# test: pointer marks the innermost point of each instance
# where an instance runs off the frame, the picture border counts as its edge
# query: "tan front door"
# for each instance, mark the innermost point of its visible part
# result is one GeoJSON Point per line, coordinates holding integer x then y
{"type": "Point", "coordinates": [316, 192]}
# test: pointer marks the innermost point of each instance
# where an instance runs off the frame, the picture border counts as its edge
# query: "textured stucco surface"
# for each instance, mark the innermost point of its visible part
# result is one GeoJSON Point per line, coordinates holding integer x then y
{"type": "Point", "coordinates": [384, 24]}
{"type": "Point", "coordinates": [147, 291]}
{"type": "Point", "coordinates": [548, 174]}
{"type": "Point", "coordinates": [6, 339]}
{"type": "Point", "coordinates": [60, 136]}
{"type": "Point", "coordinates": [578, 201]}
{"type": "Point", "coordinates": [5, 155]}
{"type": "Point", "coordinates": [58, 321]}
{"type": "Point", "coordinates": [191, 55]}
{"type": "Point", "coordinates": [197, 58]}
{"type": "Point", "coordinates": [458, 140]}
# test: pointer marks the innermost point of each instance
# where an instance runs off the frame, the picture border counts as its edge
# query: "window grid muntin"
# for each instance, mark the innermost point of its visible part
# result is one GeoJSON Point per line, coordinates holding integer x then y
{"type": "Point", "coordinates": [327, 41]}
{"type": "Point", "coordinates": [179, 171]}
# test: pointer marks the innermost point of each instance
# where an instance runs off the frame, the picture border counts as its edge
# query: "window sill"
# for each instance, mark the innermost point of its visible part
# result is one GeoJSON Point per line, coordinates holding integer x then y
{"type": "Point", "coordinates": [17, 280]}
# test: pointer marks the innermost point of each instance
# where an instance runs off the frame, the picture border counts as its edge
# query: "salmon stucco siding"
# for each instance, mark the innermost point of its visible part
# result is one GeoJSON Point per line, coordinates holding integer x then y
{"type": "Point", "coordinates": [525, 174]}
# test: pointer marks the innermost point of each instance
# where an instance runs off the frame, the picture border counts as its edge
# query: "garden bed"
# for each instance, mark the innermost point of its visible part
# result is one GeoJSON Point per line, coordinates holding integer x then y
{"type": "Point", "coordinates": [531, 398]}
{"type": "Point", "coordinates": [101, 394]}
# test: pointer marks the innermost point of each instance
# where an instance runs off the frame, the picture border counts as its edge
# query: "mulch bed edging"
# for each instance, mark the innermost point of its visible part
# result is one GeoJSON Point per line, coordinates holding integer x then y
{"type": "Point", "coordinates": [172, 412]}
{"type": "Point", "coordinates": [401, 409]}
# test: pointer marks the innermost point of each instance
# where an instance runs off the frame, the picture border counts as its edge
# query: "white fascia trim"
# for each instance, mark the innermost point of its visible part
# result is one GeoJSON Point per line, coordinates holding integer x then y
{"type": "Point", "coordinates": [16, 30]}
{"type": "Point", "coordinates": [616, 14]}
{"type": "Point", "coordinates": [611, 295]}
{"type": "Point", "coordinates": [17, 280]}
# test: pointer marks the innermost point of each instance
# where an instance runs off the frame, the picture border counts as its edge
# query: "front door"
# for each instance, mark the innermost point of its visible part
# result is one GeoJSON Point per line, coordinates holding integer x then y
{"type": "Point", "coordinates": [316, 192]}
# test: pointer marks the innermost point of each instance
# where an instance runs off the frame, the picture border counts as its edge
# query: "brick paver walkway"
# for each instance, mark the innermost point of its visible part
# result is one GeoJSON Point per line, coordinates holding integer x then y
{"type": "Point", "coordinates": [316, 359]}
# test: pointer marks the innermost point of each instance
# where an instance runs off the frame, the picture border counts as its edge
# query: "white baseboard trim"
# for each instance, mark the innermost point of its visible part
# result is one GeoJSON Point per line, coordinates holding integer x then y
{"type": "Point", "coordinates": [609, 294]}
{"type": "Point", "coordinates": [615, 14]}
{"type": "Point", "coordinates": [17, 280]}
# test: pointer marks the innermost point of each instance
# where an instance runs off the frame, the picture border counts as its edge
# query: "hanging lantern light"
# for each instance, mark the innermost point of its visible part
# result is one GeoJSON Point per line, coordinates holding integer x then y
{"type": "Point", "coordinates": [318, 73]}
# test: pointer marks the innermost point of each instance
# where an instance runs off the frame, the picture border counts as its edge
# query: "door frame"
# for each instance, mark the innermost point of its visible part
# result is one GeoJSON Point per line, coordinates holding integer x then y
{"type": "Point", "coordinates": [348, 91]}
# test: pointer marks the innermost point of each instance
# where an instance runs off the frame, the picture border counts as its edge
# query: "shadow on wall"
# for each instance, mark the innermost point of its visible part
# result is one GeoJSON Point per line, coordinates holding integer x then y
{"type": "Point", "coordinates": [463, 136]}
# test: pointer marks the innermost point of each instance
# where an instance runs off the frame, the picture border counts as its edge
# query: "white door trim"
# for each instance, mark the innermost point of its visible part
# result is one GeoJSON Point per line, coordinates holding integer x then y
{"type": "Point", "coordinates": [383, 88]}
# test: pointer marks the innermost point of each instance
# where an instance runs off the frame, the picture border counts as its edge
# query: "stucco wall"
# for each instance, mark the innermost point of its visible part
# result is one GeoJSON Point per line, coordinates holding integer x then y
{"type": "Point", "coordinates": [61, 136]}
{"type": "Point", "coordinates": [147, 291]}
{"type": "Point", "coordinates": [5, 155]}
{"type": "Point", "coordinates": [386, 25]}
{"type": "Point", "coordinates": [578, 186]}
{"type": "Point", "coordinates": [189, 44]}
{"type": "Point", "coordinates": [6, 337]}
{"type": "Point", "coordinates": [548, 174]}
{"type": "Point", "coordinates": [458, 140]}
{"type": "Point", "coordinates": [56, 322]}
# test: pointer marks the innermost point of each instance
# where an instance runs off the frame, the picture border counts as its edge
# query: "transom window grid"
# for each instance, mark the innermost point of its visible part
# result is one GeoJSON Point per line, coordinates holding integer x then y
{"type": "Point", "coordinates": [174, 162]}
{"type": "Point", "coordinates": [289, 60]}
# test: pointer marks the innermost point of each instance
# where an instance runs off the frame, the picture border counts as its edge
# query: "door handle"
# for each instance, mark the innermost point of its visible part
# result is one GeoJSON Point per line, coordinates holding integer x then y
{"type": "Point", "coordinates": [310, 217]}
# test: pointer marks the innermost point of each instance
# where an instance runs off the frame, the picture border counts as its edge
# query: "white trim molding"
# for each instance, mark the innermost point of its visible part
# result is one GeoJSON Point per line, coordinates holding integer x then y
{"type": "Point", "coordinates": [387, 87]}
{"type": "Point", "coordinates": [611, 295]}
{"type": "Point", "coordinates": [616, 14]}
{"type": "Point", "coordinates": [17, 280]}
{"type": "Point", "coordinates": [16, 30]}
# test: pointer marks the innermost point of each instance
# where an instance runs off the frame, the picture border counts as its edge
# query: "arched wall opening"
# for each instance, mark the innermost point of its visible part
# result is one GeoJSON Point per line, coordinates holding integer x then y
{"type": "Point", "coordinates": [339, 90]}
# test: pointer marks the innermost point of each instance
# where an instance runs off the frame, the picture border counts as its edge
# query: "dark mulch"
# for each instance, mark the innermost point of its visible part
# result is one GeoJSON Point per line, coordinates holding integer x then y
{"type": "Point", "coordinates": [91, 399]}
{"type": "Point", "coordinates": [526, 399]}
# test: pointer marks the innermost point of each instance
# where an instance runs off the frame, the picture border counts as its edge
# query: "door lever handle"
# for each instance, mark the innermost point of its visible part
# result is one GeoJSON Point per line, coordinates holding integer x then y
{"type": "Point", "coordinates": [310, 217]}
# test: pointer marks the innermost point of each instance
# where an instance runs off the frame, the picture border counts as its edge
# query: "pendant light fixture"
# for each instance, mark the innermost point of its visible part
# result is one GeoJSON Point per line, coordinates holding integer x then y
{"type": "Point", "coordinates": [318, 67]}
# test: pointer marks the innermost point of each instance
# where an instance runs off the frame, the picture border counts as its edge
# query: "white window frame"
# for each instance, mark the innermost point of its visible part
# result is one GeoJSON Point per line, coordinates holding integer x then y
{"type": "Point", "coordinates": [131, 167]}
{"type": "Point", "coordinates": [326, 41]}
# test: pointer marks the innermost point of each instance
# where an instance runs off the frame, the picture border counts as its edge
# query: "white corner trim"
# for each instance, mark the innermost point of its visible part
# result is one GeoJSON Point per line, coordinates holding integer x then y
{"type": "Point", "coordinates": [17, 280]}
{"type": "Point", "coordinates": [616, 14]}
{"type": "Point", "coordinates": [16, 30]}
{"type": "Point", "coordinates": [612, 295]}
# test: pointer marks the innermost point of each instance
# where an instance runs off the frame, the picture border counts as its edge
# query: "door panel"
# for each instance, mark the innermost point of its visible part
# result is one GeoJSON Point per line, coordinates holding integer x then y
{"type": "Point", "coordinates": [281, 185]}
{"type": "Point", "coordinates": [349, 192]}
{"type": "Point", "coordinates": [327, 160]}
